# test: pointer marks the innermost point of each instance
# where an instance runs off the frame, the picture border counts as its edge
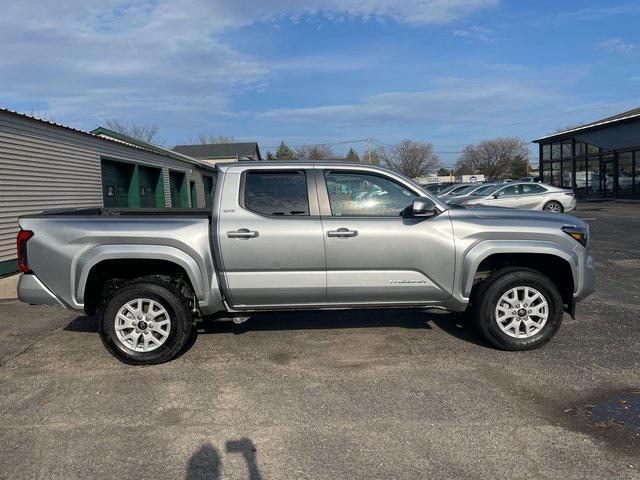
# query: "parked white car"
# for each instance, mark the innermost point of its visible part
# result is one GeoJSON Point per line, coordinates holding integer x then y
{"type": "Point", "coordinates": [525, 195]}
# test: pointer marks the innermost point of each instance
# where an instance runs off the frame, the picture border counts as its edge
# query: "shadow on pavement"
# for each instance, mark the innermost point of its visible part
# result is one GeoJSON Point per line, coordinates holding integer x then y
{"type": "Point", "coordinates": [457, 325]}
{"type": "Point", "coordinates": [206, 462]}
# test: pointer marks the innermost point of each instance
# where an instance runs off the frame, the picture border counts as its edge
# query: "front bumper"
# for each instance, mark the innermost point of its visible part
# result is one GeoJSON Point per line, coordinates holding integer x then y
{"type": "Point", "coordinates": [32, 291]}
{"type": "Point", "coordinates": [588, 280]}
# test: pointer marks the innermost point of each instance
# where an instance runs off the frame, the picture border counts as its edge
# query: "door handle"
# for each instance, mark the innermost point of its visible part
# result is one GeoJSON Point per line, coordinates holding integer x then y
{"type": "Point", "coordinates": [242, 233]}
{"type": "Point", "coordinates": [342, 233]}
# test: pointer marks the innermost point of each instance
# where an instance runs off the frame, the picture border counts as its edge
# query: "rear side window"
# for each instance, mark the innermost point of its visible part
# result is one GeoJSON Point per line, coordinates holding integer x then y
{"type": "Point", "coordinates": [510, 191]}
{"type": "Point", "coordinates": [532, 188]}
{"type": "Point", "coordinates": [279, 193]}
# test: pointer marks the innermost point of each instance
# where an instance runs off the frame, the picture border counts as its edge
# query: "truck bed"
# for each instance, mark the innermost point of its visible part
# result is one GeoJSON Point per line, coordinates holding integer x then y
{"type": "Point", "coordinates": [110, 212]}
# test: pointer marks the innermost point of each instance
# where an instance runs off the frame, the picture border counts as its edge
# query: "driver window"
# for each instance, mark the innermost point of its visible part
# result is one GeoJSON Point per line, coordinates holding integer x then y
{"type": "Point", "coordinates": [510, 191]}
{"type": "Point", "coordinates": [356, 194]}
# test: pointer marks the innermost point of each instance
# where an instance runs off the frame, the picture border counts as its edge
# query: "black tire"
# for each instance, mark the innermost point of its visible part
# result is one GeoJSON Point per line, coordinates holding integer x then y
{"type": "Point", "coordinates": [553, 206]}
{"type": "Point", "coordinates": [493, 288]}
{"type": "Point", "coordinates": [176, 306]}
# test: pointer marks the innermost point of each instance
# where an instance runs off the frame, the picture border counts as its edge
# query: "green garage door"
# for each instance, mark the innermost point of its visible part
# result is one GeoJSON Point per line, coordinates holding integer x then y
{"type": "Point", "coordinates": [178, 185]}
{"type": "Point", "coordinates": [194, 196]}
{"type": "Point", "coordinates": [116, 184]}
{"type": "Point", "coordinates": [151, 188]}
{"type": "Point", "coordinates": [209, 185]}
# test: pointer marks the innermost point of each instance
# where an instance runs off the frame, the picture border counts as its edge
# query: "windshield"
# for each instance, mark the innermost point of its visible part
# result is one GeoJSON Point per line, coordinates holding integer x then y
{"type": "Point", "coordinates": [488, 189]}
{"type": "Point", "coordinates": [485, 190]}
{"type": "Point", "coordinates": [449, 189]}
{"type": "Point", "coordinates": [466, 190]}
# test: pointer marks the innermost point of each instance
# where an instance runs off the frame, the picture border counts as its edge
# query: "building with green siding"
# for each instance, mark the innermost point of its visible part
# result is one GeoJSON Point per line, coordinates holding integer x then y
{"type": "Point", "coordinates": [45, 165]}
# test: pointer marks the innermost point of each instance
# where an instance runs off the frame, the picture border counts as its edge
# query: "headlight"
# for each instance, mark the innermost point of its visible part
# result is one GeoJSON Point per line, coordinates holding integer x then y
{"type": "Point", "coordinates": [578, 233]}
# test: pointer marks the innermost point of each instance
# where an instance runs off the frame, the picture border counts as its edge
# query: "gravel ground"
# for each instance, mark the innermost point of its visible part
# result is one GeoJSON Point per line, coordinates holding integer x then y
{"type": "Point", "coordinates": [361, 394]}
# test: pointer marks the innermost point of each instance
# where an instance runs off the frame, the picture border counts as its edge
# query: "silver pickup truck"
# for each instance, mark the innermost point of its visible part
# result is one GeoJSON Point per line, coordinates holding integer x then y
{"type": "Point", "coordinates": [300, 235]}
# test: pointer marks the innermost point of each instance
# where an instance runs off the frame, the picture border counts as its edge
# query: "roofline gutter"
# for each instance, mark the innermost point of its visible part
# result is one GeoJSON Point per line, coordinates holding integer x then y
{"type": "Point", "coordinates": [586, 127]}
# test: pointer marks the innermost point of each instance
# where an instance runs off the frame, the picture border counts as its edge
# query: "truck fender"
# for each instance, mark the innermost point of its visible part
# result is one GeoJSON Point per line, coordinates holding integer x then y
{"type": "Point", "coordinates": [475, 255]}
{"type": "Point", "coordinates": [81, 266]}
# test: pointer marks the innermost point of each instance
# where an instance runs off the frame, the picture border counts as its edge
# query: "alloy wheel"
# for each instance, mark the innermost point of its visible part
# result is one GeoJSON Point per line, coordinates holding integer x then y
{"type": "Point", "coordinates": [522, 312]}
{"type": "Point", "coordinates": [142, 325]}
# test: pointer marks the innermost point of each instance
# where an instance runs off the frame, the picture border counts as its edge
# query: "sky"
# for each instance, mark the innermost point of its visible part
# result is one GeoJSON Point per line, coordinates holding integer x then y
{"type": "Point", "coordinates": [449, 72]}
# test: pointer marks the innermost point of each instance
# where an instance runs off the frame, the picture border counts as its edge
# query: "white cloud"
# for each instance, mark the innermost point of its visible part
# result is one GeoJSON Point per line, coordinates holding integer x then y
{"type": "Point", "coordinates": [617, 45]}
{"type": "Point", "coordinates": [476, 32]}
{"type": "Point", "coordinates": [449, 101]}
{"type": "Point", "coordinates": [89, 60]}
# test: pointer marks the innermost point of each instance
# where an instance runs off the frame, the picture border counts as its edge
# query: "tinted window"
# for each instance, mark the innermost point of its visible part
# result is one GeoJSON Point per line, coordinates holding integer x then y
{"type": "Point", "coordinates": [276, 193]}
{"type": "Point", "coordinates": [360, 194]}
{"type": "Point", "coordinates": [533, 188]}
{"type": "Point", "coordinates": [510, 191]}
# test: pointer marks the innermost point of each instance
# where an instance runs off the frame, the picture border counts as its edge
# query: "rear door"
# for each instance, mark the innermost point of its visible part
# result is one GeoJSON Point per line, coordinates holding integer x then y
{"type": "Point", "coordinates": [376, 252]}
{"type": "Point", "coordinates": [270, 238]}
{"type": "Point", "coordinates": [532, 195]}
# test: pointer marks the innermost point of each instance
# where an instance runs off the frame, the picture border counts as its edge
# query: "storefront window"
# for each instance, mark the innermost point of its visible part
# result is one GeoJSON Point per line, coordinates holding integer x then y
{"type": "Point", "coordinates": [555, 174]}
{"type": "Point", "coordinates": [567, 149]}
{"type": "Point", "coordinates": [546, 152]}
{"type": "Point", "coordinates": [625, 173]}
{"type": "Point", "coordinates": [567, 173]}
{"type": "Point", "coordinates": [546, 172]}
{"type": "Point", "coordinates": [636, 172]}
{"type": "Point", "coordinates": [581, 176]}
{"type": "Point", "coordinates": [555, 151]}
{"type": "Point", "coordinates": [593, 175]}
{"type": "Point", "coordinates": [581, 148]}
{"type": "Point", "coordinates": [592, 149]}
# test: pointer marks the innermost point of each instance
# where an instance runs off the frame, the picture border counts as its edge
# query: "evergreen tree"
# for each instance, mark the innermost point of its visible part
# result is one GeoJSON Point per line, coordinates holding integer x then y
{"type": "Point", "coordinates": [352, 156]}
{"type": "Point", "coordinates": [270, 155]}
{"type": "Point", "coordinates": [284, 152]}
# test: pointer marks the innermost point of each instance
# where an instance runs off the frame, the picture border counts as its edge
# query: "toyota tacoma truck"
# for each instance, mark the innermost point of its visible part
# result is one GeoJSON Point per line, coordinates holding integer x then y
{"type": "Point", "coordinates": [301, 235]}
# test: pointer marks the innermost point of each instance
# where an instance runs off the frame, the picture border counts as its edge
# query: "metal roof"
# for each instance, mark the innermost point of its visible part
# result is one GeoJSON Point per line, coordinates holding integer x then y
{"type": "Point", "coordinates": [138, 144]}
{"type": "Point", "coordinates": [619, 117]}
{"type": "Point", "coordinates": [126, 139]}
{"type": "Point", "coordinates": [220, 150]}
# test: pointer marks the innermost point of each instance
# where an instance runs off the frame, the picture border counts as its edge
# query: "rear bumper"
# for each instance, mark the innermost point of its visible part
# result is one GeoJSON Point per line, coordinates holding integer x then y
{"type": "Point", "coordinates": [32, 291]}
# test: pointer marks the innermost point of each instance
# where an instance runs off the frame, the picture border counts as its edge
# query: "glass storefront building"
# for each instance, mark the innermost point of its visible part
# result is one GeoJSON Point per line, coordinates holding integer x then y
{"type": "Point", "coordinates": [601, 158]}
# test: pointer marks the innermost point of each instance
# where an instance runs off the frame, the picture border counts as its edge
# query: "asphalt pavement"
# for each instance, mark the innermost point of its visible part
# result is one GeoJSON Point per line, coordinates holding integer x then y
{"type": "Point", "coordinates": [402, 394]}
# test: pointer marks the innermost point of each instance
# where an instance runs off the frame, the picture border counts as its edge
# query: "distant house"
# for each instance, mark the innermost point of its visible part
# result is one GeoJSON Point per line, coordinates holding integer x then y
{"type": "Point", "coordinates": [213, 153]}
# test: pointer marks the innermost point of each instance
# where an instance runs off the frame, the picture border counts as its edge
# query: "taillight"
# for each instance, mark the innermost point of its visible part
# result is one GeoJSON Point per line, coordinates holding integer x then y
{"type": "Point", "coordinates": [23, 236]}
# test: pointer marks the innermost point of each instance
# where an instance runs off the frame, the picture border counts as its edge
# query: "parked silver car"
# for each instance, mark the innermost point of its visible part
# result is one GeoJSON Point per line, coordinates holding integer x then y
{"type": "Point", "coordinates": [453, 190]}
{"type": "Point", "coordinates": [526, 195]}
{"type": "Point", "coordinates": [476, 189]}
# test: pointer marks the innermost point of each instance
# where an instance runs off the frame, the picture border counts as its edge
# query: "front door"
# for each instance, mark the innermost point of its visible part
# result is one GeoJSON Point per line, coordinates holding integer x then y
{"type": "Point", "coordinates": [508, 196]}
{"type": "Point", "coordinates": [376, 252]}
{"type": "Point", "coordinates": [607, 173]}
{"type": "Point", "coordinates": [270, 239]}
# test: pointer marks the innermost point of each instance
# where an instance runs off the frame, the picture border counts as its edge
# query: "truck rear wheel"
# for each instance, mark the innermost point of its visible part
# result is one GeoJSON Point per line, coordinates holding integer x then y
{"type": "Point", "coordinates": [518, 309]}
{"type": "Point", "coordinates": [145, 323]}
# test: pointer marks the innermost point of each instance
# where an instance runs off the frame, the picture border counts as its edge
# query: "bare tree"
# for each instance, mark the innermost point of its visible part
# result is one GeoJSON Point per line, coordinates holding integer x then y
{"type": "Point", "coordinates": [147, 133]}
{"type": "Point", "coordinates": [315, 152]}
{"type": "Point", "coordinates": [208, 138]}
{"type": "Point", "coordinates": [492, 158]}
{"type": "Point", "coordinates": [41, 114]}
{"type": "Point", "coordinates": [410, 158]}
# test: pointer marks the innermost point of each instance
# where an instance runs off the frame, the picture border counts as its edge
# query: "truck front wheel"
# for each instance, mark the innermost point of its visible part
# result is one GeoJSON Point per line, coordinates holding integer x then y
{"type": "Point", "coordinates": [145, 323]}
{"type": "Point", "coordinates": [518, 309]}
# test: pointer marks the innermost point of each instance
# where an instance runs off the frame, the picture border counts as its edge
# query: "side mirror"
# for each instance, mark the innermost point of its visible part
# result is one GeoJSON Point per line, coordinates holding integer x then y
{"type": "Point", "coordinates": [424, 207]}
{"type": "Point", "coordinates": [496, 195]}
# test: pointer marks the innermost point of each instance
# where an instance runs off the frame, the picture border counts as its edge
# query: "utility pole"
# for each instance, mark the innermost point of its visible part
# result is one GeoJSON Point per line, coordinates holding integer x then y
{"type": "Point", "coordinates": [369, 149]}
